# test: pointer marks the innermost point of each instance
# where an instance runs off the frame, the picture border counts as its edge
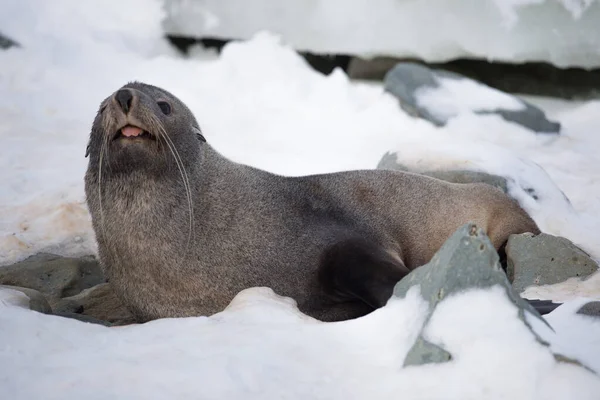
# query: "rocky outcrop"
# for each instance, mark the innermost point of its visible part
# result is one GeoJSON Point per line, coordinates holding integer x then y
{"type": "Point", "coordinates": [407, 80]}
{"type": "Point", "coordinates": [67, 287]}
{"type": "Point", "coordinates": [591, 309]}
{"type": "Point", "coordinates": [466, 260]}
{"type": "Point", "coordinates": [54, 276]}
{"type": "Point", "coordinates": [545, 260]}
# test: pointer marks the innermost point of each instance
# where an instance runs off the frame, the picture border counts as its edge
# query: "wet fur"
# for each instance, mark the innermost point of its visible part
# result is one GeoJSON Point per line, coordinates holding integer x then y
{"type": "Point", "coordinates": [181, 229]}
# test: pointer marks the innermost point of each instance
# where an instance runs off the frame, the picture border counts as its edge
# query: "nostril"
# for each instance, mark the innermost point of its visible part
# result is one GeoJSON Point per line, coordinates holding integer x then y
{"type": "Point", "coordinates": [124, 97]}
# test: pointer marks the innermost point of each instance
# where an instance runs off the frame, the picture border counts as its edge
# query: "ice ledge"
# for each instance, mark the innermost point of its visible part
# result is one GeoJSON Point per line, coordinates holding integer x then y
{"type": "Point", "coordinates": [565, 33]}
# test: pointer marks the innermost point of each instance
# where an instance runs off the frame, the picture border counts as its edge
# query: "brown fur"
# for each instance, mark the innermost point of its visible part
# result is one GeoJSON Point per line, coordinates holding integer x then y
{"type": "Point", "coordinates": [181, 229]}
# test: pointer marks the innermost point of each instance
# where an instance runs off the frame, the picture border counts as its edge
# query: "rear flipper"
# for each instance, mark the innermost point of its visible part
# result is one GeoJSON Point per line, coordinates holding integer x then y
{"type": "Point", "coordinates": [357, 269]}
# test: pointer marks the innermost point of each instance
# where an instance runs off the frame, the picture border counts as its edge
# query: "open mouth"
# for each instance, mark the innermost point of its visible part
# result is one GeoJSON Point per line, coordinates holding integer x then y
{"type": "Point", "coordinates": [130, 132]}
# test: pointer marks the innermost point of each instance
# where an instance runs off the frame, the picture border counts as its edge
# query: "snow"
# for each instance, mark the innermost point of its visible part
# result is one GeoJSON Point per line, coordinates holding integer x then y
{"type": "Point", "coordinates": [259, 103]}
{"type": "Point", "coordinates": [263, 347]}
{"type": "Point", "coordinates": [565, 33]}
{"type": "Point", "coordinates": [458, 96]}
{"type": "Point", "coordinates": [571, 289]}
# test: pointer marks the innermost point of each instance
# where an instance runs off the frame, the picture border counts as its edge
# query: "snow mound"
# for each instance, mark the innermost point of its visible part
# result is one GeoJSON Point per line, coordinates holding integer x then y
{"type": "Point", "coordinates": [262, 347]}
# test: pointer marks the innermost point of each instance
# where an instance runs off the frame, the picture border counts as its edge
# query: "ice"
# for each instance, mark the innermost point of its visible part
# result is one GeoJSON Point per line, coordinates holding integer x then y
{"type": "Point", "coordinates": [562, 32]}
{"type": "Point", "coordinates": [262, 347]}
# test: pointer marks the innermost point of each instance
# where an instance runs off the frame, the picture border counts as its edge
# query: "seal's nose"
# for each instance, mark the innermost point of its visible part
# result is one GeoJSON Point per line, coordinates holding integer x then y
{"type": "Point", "coordinates": [124, 98]}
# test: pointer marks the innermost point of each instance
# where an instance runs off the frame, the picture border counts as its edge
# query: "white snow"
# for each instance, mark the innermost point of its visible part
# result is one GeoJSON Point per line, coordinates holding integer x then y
{"type": "Point", "coordinates": [259, 103]}
{"type": "Point", "coordinates": [262, 347]}
{"type": "Point", "coordinates": [562, 32]}
{"type": "Point", "coordinates": [458, 96]}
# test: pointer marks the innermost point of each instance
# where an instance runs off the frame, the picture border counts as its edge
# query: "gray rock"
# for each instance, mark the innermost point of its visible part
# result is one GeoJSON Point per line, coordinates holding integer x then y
{"type": "Point", "coordinates": [6, 42]}
{"type": "Point", "coordinates": [424, 352]}
{"type": "Point", "coordinates": [545, 260]}
{"type": "Point", "coordinates": [37, 301]}
{"type": "Point", "coordinates": [389, 161]}
{"type": "Point", "coordinates": [591, 309]}
{"type": "Point", "coordinates": [98, 303]}
{"type": "Point", "coordinates": [466, 260]}
{"type": "Point", "coordinates": [54, 276]}
{"type": "Point", "coordinates": [537, 79]}
{"type": "Point", "coordinates": [406, 78]}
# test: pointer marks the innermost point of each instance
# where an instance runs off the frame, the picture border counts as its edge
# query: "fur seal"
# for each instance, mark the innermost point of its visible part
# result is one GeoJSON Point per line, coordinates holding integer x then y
{"type": "Point", "coordinates": [181, 229]}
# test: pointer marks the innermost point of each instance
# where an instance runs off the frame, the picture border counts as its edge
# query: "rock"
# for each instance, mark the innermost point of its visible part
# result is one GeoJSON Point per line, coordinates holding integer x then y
{"type": "Point", "coordinates": [545, 260]}
{"type": "Point", "coordinates": [406, 79]}
{"type": "Point", "coordinates": [543, 306]}
{"type": "Point", "coordinates": [98, 303]}
{"type": "Point", "coordinates": [388, 161]}
{"type": "Point", "coordinates": [424, 352]}
{"type": "Point", "coordinates": [54, 276]}
{"type": "Point", "coordinates": [538, 79]}
{"type": "Point", "coordinates": [466, 260]}
{"type": "Point", "coordinates": [37, 301]}
{"type": "Point", "coordinates": [6, 42]}
{"type": "Point", "coordinates": [591, 309]}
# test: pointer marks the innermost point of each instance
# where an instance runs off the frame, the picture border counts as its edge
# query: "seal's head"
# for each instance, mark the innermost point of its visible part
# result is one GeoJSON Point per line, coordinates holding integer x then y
{"type": "Point", "coordinates": [144, 127]}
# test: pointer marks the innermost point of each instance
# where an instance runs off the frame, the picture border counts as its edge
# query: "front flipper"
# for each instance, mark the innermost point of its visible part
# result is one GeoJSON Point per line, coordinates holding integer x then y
{"type": "Point", "coordinates": [358, 269]}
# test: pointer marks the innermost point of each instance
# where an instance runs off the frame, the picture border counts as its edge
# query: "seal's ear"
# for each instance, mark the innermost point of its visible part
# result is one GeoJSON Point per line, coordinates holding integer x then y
{"type": "Point", "coordinates": [87, 150]}
{"type": "Point", "coordinates": [199, 134]}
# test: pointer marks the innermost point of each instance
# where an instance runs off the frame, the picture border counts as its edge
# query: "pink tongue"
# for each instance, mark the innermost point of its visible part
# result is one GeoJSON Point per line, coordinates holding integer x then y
{"type": "Point", "coordinates": [130, 131]}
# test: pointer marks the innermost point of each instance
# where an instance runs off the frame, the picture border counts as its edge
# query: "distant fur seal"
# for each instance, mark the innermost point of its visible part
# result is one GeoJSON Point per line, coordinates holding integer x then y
{"type": "Point", "coordinates": [181, 229]}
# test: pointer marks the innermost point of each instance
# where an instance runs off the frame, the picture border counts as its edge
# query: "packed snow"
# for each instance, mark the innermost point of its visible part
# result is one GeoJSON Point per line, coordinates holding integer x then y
{"type": "Point", "coordinates": [259, 103]}
{"type": "Point", "coordinates": [262, 347]}
{"type": "Point", "coordinates": [562, 32]}
{"type": "Point", "coordinates": [441, 100]}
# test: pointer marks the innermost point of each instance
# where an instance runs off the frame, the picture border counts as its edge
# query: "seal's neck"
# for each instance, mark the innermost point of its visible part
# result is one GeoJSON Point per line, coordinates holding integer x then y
{"type": "Point", "coordinates": [138, 207]}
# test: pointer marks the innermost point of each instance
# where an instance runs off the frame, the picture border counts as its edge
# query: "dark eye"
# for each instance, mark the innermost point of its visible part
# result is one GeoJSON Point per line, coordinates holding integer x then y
{"type": "Point", "coordinates": [164, 107]}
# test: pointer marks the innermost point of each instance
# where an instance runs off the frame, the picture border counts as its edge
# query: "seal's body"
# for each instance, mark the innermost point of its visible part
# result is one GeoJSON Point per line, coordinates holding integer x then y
{"type": "Point", "coordinates": [181, 229]}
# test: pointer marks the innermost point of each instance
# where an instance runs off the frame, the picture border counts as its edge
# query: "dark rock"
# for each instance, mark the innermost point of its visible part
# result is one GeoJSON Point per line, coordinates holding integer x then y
{"type": "Point", "coordinates": [37, 301]}
{"type": "Point", "coordinates": [543, 306]}
{"type": "Point", "coordinates": [545, 260]}
{"type": "Point", "coordinates": [532, 78]}
{"type": "Point", "coordinates": [54, 276]}
{"type": "Point", "coordinates": [407, 77]}
{"type": "Point", "coordinates": [591, 309]}
{"type": "Point", "coordinates": [6, 42]}
{"type": "Point", "coordinates": [531, 117]}
{"type": "Point", "coordinates": [98, 303]}
{"type": "Point", "coordinates": [373, 69]}
{"type": "Point", "coordinates": [466, 260]}
{"type": "Point", "coordinates": [388, 161]}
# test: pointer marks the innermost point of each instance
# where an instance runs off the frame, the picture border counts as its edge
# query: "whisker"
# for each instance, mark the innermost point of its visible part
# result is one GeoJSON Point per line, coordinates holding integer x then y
{"type": "Point", "coordinates": [182, 171]}
{"type": "Point", "coordinates": [102, 150]}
